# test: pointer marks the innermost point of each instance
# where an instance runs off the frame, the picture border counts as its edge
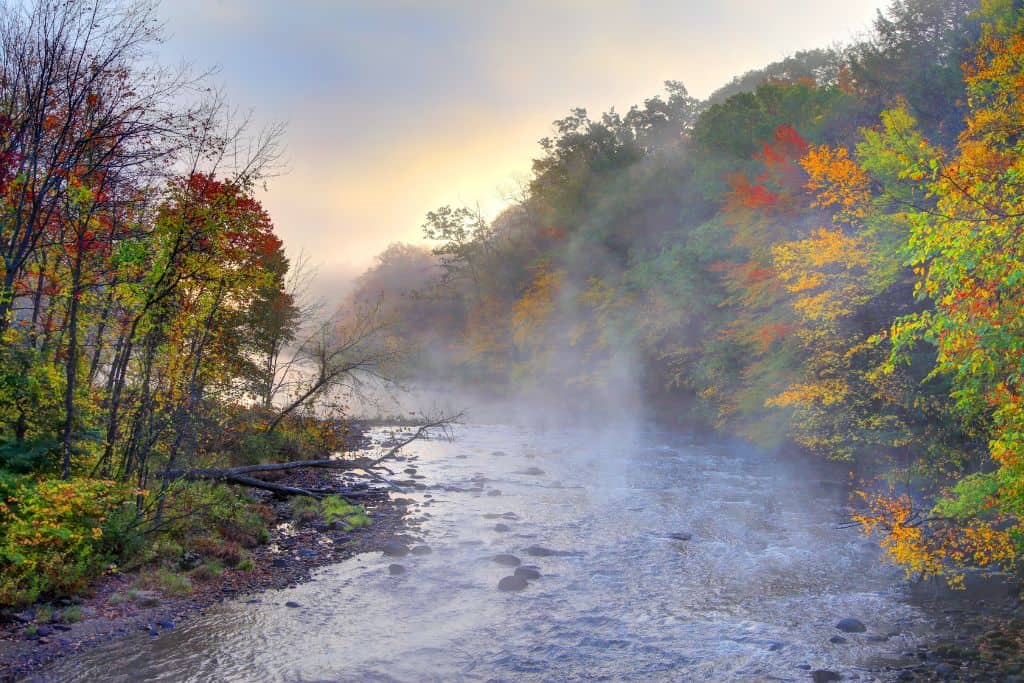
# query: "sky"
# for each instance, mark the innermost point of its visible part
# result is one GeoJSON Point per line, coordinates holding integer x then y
{"type": "Point", "coordinates": [396, 107]}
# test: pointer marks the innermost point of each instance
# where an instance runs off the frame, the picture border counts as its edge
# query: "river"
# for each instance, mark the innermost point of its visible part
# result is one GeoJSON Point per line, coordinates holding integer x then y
{"type": "Point", "coordinates": [754, 594]}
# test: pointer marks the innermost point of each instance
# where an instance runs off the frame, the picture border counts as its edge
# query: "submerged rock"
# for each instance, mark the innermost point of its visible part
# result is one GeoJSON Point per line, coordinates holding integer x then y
{"type": "Point", "coordinates": [502, 527]}
{"type": "Point", "coordinates": [837, 640]}
{"type": "Point", "coordinates": [292, 604]}
{"type": "Point", "coordinates": [512, 583]}
{"type": "Point", "coordinates": [527, 572]}
{"type": "Point", "coordinates": [395, 549]}
{"type": "Point", "coordinates": [506, 560]}
{"type": "Point", "coordinates": [851, 625]}
{"type": "Point", "coordinates": [396, 569]}
{"type": "Point", "coordinates": [421, 550]}
{"type": "Point", "coordinates": [825, 676]}
{"type": "Point", "coordinates": [531, 471]}
{"type": "Point", "coordinates": [681, 536]}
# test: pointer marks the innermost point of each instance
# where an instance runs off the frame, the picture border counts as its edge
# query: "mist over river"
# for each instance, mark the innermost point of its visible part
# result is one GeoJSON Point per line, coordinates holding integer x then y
{"type": "Point", "coordinates": [754, 593]}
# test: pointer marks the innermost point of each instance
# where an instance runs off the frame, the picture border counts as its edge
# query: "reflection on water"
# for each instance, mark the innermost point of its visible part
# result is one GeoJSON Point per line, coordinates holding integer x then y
{"type": "Point", "coordinates": [754, 594]}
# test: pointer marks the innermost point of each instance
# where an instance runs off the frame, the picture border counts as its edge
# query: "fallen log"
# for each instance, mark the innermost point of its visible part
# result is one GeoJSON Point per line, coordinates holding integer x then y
{"type": "Point", "coordinates": [239, 476]}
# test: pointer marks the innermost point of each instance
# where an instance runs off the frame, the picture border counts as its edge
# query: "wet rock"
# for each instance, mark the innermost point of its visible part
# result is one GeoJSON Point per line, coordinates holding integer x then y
{"type": "Point", "coordinates": [153, 632]}
{"type": "Point", "coordinates": [421, 550]}
{"type": "Point", "coordinates": [541, 551]}
{"type": "Point", "coordinates": [531, 471]}
{"type": "Point", "coordinates": [189, 561]}
{"type": "Point", "coordinates": [512, 583]}
{"type": "Point", "coordinates": [494, 492]}
{"type": "Point", "coordinates": [502, 527]}
{"type": "Point", "coordinates": [851, 625]}
{"type": "Point", "coordinates": [306, 553]}
{"type": "Point", "coordinates": [395, 549]}
{"type": "Point", "coordinates": [837, 640]}
{"type": "Point", "coordinates": [147, 598]}
{"type": "Point", "coordinates": [499, 453]}
{"type": "Point", "coordinates": [403, 501]}
{"type": "Point", "coordinates": [876, 638]}
{"type": "Point", "coordinates": [279, 563]}
{"type": "Point", "coordinates": [506, 560]}
{"type": "Point", "coordinates": [396, 569]}
{"type": "Point", "coordinates": [25, 617]}
{"type": "Point", "coordinates": [43, 631]}
{"type": "Point", "coordinates": [410, 470]}
{"type": "Point", "coordinates": [61, 627]}
{"type": "Point", "coordinates": [292, 604]}
{"type": "Point", "coordinates": [510, 515]}
{"type": "Point", "coordinates": [825, 676]}
{"type": "Point", "coordinates": [527, 572]}
{"type": "Point", "coordinates": [166, 623]}
{"type": "Point", "coordinates": [681, 536]}
{"type": "Point", "coordinates": [945, 670]}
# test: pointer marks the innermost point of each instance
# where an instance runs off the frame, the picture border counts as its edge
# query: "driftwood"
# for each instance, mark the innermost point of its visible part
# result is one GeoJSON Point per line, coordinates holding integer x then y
{"type": "Point", "coordinates": [240, 476]}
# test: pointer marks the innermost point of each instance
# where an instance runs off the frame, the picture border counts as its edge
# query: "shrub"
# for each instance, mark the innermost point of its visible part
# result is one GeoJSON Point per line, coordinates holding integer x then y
{"type": "Point", "coordinates": [52, 535]}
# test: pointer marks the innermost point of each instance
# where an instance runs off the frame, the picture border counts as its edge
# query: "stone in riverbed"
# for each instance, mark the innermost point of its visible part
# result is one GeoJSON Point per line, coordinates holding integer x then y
{"type": "Point", "coordinates": [502, 527]}
{"type": "Point", "coordinates": [396, 569]}
{"type": "Point", "coordinates": [166, 623]}
{"type": "Point", "coordinates": [531, 471]}
{"type": "Point", "coordinates": [395, 549]}
{"type": "Point", "coordinates": [494, 492]}
{"type": "Point", "coordinates": [421, 550]}
{"type": "Point", "coordinates": [541, 551]}
{"type": "Point", "coordinates": [512, 583]}
{"type": "Point", "coordinates": [147, 598]}
{"type": "Point", "coordinates": [825, 676]}
{"type": "Point", "coordinates": [306, 553]}
{"type": "Point", "coordinates": [292, 604]}
{"type": "Point", "coordinates": [506, 560]}
{"type": "Point", "coordinates": [681, 536]}
{"type": "Point", "coordinates": [851, 625]}
{"type": "Point", "coordinates": [837, 640]}
{"type": "Point", "coordinates": [527, 572]}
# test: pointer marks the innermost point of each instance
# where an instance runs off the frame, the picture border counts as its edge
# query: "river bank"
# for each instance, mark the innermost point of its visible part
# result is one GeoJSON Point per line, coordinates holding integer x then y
{"type": "Point", "coordinates": [116, 606]}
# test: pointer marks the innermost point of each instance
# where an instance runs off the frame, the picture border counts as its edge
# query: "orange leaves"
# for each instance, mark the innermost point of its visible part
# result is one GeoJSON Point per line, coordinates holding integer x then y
{"type": "Point", "coordinates": [836, 180]}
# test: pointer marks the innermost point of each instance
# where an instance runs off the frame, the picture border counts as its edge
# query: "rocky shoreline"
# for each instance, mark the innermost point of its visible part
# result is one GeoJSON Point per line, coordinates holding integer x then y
{"type": "Point", "coordinates": [36, 637]}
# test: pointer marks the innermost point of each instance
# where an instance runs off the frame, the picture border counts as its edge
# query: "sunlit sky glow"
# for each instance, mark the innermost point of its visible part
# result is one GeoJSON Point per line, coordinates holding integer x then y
{"type": "Point", "coordinates": [396, 107]}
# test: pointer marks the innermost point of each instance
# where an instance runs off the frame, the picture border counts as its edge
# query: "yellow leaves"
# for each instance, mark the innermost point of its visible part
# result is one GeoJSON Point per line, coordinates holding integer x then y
{"type": "Point", "coordinates": [828, 270]}
{"type": "Point", "coordinates": [536, 306]}
{"type": "Point", "coordinates": [826, 392]}
{"type": "Point", "coordinates": [836, 180]}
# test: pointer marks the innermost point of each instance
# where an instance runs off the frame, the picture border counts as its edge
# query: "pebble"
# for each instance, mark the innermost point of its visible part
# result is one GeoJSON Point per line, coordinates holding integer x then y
{"type": "Point", "coordinates": [512, 583]}
{"type": "Point", "coordinates": [395, 549]}
{"type": "Point", "coordinates": [507, 560]}
{"type": "Point", "coordinates": [850, 625]}
{"type": "Point", "coordinates": [527, 572]}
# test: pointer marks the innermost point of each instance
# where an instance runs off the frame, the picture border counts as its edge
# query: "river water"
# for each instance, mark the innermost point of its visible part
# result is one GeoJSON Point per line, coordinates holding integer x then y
{"type": "Point", "coordinates": [754, 594]}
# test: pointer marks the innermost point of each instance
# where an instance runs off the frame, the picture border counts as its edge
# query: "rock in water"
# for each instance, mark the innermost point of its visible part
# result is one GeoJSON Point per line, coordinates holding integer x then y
{"type": "Point", "coordinates": [825, 676]}
{"type": "Point", "coordinates": [292, 603]}
{"type": "Point", "coordinates": [507, 560]}
{"type": "Point", "coordinates": [540, 551]}
{"type": "Point", "coordinates": [512, 583]}
{"type": "Point", "coordinates": [395, 549]}
{"type": "Point", "coordinates": [502, 527]}
{"type": "Point", "coordinates": [527, 572]}
{"type": "Point", "coordinates": [681, 536]}
{"type": "Point", "coordinates": [850, 625]}
{"type": "Point", "coordinates": [837, 640]}
{"type": "Point", "coordinates": [396, 569]}
{"type": "Point", "coordinates": [421, 550]}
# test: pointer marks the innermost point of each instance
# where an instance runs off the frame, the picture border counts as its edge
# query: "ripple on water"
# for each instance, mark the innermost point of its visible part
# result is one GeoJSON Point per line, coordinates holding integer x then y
{"type": "Point", "coordinates": [754, 594]}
